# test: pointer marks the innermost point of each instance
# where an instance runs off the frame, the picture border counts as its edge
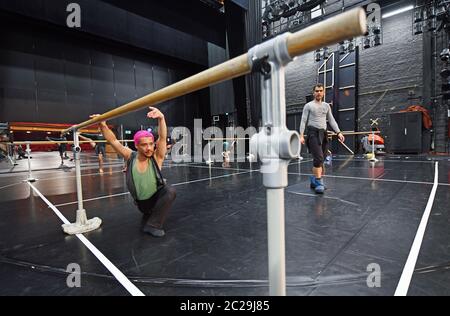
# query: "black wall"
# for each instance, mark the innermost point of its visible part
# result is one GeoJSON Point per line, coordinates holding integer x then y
{"type": "Point", "coordinates": [194, 17]}
{"type": "Point", "coordinates": [104, 20]}
{"type": "Point", "coordinates": [53, 74]}
{"type": "Point", "coordinates": [222, 94]}
{"type": "Point", "coordinates": [390, 72]}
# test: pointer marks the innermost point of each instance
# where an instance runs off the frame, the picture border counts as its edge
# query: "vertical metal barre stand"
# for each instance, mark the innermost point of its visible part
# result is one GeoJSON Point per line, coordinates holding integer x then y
{"type": "Point", "coordinates": [82, 224]}
{"type": "Point", "coordinates": [209, 161]}
{"type": "Point", "coordinates": [373, 158]}
{"type": "Point", "coordinates": [30, 177]}
{"type": "Point", "coordinates": [275, 146]}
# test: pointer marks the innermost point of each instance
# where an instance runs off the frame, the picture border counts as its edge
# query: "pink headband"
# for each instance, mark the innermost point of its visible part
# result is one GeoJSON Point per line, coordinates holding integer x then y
{"type": "Point", "coordinates": [137, 137]}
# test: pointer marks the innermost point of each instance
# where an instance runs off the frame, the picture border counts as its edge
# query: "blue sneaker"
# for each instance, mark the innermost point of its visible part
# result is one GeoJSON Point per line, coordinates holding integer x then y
{"type": "Point", "coordinates": [155, 232]}
{"type": "Point", "coordinates": [320, 188]}
{"type": "Point", "coordinates": [312, 180]}
{"type": "Point", "coordinates": [314, 183]}
{"type": "Point", "coordinates": [317, 185]}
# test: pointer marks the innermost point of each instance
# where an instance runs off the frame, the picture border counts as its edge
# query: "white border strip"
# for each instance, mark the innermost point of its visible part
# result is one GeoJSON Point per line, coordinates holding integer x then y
{"type": "Point", "coordinates": [93, 199]}
{"type": "Point", "coordinates": [362, 159]}
{"type": "Point", "coordinates": [212, 178]}
{"type": "Point", "coordinates": [83, 175]}
{"type": "Point", "coordinates": [368, 179]}
{"type": "Point", "coordinates": [408, 270]}
{"type": "Point", "coordinates": [131, 288]}
{"type": "Point", "coordinates": [10, 185]}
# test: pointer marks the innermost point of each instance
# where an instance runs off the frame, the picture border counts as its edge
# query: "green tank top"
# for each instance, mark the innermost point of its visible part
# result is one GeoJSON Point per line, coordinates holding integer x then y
{"type": "Point", "coordinates": [145, 183]}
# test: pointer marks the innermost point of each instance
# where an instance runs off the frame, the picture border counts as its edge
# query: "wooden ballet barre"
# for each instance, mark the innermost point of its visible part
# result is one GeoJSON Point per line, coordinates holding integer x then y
{"type": "Point", "coordinates": [354, 133]}
{"type": "Point", "coordinates": [338, 28]}
{"type": "Point", "coordinates": [46, 129]}
{"type": "Point", "coordinates": [210, 139]}
{"type": "Point", "coordinates": [350, 133]}
{"type": "Point", "coordinates": [38, 142]}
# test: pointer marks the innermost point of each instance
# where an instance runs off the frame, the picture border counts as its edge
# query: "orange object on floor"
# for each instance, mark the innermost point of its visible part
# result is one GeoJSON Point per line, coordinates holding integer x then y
{"type": "Point", "coordinates": [378, 139]}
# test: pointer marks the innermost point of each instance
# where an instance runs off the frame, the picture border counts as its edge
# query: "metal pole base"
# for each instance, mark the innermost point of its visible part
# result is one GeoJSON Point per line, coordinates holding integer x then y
{"type": "Point", "coordinates": [31, 180]}
{"type": "Point", "coordinates": [82, 225]}
{"type": "Point", "coordinates": [373, 159]}
{"type": "Point", "coordinates": [209, 162]}
{"type": "Point", "coordinates": [251, 158]}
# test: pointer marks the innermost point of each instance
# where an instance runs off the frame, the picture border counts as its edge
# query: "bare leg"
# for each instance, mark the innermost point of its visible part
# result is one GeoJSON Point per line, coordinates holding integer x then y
{"type": "Point", "coordinates": [317, 172]}
{"type": "Point", "coordinates": [100, 163]}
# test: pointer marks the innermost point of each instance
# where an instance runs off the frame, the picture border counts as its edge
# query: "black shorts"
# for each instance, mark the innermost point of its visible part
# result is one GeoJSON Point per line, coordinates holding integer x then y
{"type": "Point", "coordinates": [99, 149]}
{"type": "Point", "coordinates": [317, 143]}
{"type": "Point", "coordinates": [156, 208]}
{"type": "Point", "coordinates": [62, 149]}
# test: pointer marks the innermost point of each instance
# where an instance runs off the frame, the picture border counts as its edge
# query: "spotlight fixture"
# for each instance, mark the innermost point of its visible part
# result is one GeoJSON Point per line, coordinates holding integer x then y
{"type": "Point", "coordinates": [418, 29]}
{"type": "Point", "coordinates": [272, 13]}
{"type": "Point", "coordinates": [377, 40]}
{"type": "Point", "coordinates": [376, 29]}
{"type": "Point", "coordinates": [289, 8]}
{"type": "Point", "coordinates": [277, 10]}
{"type": "Point", "coordinates": [317, 55]}
{"type": "Point", "coordinates": [325, 53]}
{"type": "Point", "coordinates": [351, 46]}
{"type": "Point", "coordinates": [366, 43]}
{"type": "Point", "coordinates": [341, 48]}
{"type": "Point", "coordinates": [418, 15]}
{"type": "Point", "coordinates": [445, 54]}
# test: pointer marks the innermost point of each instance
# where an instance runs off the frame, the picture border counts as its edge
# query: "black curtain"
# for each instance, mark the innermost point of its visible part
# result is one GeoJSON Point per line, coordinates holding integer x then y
{"type": "Point", "coordinates": [254, 37]}
{"type": "Point", "coordinates": [236, 35]}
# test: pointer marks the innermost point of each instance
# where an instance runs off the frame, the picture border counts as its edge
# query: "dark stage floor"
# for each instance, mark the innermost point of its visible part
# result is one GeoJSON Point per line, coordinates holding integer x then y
{"type": "Point", "coordinates": [216, 242]}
